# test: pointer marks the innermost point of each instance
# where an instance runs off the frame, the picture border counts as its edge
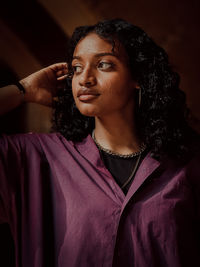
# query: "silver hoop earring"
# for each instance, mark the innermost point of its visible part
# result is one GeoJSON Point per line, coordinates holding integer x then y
{"type": "Point", "coordinates": [139, 97]}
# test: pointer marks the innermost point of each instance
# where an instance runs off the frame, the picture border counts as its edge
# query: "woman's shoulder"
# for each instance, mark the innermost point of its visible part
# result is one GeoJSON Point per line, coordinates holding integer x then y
{"type": "Point", "coordinates": [27, 141]}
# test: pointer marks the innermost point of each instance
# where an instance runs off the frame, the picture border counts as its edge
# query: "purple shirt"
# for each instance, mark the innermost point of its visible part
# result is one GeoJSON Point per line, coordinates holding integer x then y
{"type": "Point", "coordinates": [66, 210]}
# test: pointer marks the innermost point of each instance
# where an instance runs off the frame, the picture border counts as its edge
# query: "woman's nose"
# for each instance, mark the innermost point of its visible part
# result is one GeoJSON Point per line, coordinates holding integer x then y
{"type": "Point", "coordinates": [87, 78]}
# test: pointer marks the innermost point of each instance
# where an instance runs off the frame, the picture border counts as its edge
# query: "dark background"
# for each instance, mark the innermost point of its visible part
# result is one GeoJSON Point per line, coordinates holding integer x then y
{"type": "Point", "coordinates": [34, 34]}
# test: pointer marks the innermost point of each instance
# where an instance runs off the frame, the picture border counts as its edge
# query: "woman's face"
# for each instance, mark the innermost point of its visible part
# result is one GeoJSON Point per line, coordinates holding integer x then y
{"type": "Point", "coordinates": [102, 83]}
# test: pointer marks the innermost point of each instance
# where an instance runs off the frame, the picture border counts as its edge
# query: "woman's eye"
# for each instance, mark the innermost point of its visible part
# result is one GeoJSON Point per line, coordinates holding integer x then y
{"type": "Point", "coordinates": [105, 65]}
{"type": "Point", "coordinates": [77, 69]}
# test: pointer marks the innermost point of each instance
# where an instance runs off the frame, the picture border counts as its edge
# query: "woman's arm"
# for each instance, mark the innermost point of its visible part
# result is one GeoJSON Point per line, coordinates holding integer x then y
{"type": "Point", "coordinates": [10, 98]}
{"type": "Point", "coordinates": [40, 87]}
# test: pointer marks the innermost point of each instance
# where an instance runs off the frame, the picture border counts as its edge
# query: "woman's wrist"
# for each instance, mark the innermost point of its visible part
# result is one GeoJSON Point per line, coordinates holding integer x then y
{"type": "Point", "coordinates": [21, 89]}
{"type": "Point", "coordinates": [24, 88]}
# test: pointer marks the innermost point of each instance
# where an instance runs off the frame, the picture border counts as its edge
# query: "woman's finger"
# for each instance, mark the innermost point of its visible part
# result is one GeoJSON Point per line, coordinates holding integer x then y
{"type": "Point", "coordinates": [61, 78]}
{"type": "Point", "coordinates": [61, 72]}
{"type": "Point", "coordinates": [59, 66]}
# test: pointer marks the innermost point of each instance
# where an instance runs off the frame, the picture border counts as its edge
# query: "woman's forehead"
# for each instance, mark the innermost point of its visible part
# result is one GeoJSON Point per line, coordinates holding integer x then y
{"type": "Point", "coordinates": [94, 44]}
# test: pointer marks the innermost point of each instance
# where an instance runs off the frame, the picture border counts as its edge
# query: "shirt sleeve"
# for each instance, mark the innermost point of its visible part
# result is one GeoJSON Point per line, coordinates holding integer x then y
{"type": "Point", "coordinates": [10, 165]}
{"type": "Point", "coordinates": [18, 153]}
{"type": "Point", "coordinates": [193, 176]}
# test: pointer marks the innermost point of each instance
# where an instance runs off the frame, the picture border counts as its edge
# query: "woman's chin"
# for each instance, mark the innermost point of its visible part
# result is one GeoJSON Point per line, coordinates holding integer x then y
{"type": "Point", "coordinates": [88, 112]}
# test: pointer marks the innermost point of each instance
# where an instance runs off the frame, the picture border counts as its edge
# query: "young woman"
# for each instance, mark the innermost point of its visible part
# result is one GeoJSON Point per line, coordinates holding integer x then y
{"type": "Point", "coordinates": [119, 183]}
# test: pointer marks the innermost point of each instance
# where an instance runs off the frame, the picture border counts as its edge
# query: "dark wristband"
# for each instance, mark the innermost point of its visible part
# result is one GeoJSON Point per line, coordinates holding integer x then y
{"type": "Point", "coordinates": [20, 87]}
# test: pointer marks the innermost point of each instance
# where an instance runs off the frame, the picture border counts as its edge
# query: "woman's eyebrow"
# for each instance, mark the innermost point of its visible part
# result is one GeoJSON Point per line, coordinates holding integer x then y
{"type": "Point", "coordinates": [99, 55]}
{"type": "Point", "coordinates": [106, 54]}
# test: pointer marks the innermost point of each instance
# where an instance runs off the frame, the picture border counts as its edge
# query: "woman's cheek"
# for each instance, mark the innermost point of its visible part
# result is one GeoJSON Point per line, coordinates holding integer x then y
{"type": "Point", "coordinates": [74, 86]}
{"type": "Point", "coordinates": [109, 87]}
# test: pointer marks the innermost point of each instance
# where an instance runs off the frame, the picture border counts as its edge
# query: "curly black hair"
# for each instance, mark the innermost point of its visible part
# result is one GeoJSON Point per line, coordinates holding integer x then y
{"type": "Point", "coordinates": [162, 116]}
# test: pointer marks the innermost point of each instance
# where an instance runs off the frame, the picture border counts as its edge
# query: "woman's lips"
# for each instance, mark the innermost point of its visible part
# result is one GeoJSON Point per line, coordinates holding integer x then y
{"type": "Point", "coordinates": [87, 97]}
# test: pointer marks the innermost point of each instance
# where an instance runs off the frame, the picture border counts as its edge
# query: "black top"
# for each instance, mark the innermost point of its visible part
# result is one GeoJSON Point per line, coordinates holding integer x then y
{"type": "Point", "coordinates": [121, 168]}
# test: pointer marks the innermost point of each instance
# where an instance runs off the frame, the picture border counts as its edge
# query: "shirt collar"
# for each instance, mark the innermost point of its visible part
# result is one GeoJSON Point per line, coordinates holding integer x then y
{"type": "Point", "coordinates": [146, 168]}
{"type": "Point", "coordinates": [89, 150]}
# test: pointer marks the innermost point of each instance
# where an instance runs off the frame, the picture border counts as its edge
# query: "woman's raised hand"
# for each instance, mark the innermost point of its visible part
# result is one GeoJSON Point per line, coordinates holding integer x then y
{"type": "Point", "coordinates": [41, 86]}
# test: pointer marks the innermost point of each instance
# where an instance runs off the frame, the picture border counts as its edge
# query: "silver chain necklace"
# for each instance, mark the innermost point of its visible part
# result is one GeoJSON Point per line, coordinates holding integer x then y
{"type": "Point", "coordinates": [132, 173]}
{"type": "Point", "coordinates": [137, 153]}
{"type": "Point", "coordinates": [134, 154]}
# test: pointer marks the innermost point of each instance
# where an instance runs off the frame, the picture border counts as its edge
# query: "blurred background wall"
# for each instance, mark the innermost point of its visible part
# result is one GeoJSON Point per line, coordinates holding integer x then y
{"type": "Point", "coordinates": [34, 34]}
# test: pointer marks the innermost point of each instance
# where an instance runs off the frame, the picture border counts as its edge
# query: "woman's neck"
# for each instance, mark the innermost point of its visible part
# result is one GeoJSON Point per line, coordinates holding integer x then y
{"type": "Point", "coordinates": [117, 133]}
